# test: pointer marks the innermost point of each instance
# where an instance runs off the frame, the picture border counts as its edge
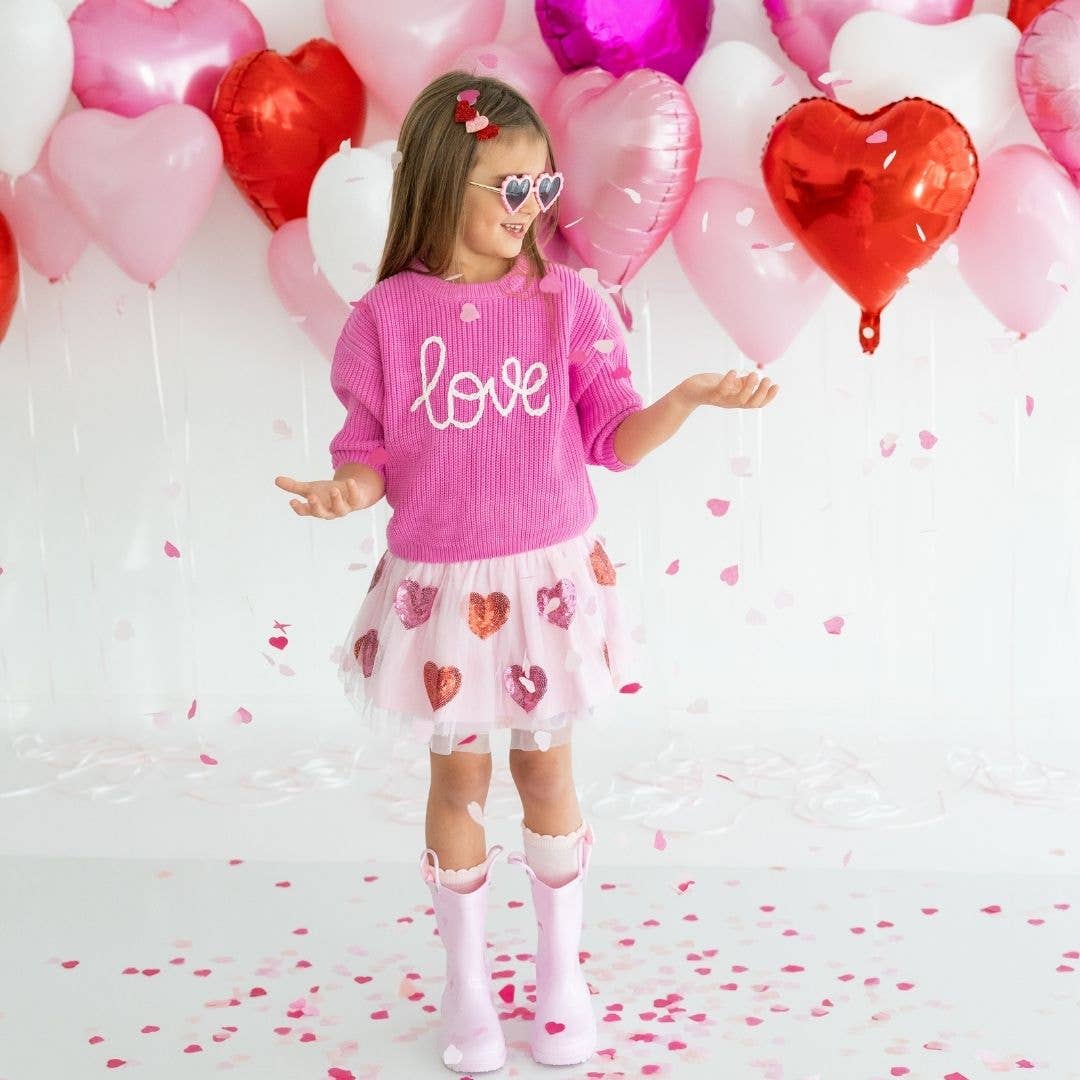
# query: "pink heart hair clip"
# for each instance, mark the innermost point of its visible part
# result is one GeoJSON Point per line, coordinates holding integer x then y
{"type": "Point", "coordinates": [466, 113]}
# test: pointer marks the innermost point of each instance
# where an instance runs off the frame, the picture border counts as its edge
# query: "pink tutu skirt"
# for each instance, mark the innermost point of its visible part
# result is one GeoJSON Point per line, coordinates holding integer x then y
{"type": "Point", "coordinates": [446, 653]}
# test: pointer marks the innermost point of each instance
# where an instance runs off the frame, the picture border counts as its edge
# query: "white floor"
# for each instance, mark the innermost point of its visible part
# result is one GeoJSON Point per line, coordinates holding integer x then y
{"type": "Point", "coordinates": [840, 910]}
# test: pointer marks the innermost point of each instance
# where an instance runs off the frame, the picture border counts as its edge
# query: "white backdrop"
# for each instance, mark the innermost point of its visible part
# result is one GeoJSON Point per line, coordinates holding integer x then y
{"type": "Point", "coordinates": [130, 419]}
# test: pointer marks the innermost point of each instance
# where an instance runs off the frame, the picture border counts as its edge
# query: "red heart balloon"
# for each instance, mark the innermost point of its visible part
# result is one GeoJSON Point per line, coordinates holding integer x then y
{"type": "Point", "coordinates": [1023, 11]}
{"type": "Point", "coordinates": [281, 117]}
{"type": "Point", "coordinates": [9, 275]}
{"type": "Point", "coordinates": [871, 197]}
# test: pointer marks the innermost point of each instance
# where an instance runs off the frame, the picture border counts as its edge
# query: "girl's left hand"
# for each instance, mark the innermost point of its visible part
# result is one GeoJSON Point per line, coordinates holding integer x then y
{"type": "Point", "coordinates": [730, 391]}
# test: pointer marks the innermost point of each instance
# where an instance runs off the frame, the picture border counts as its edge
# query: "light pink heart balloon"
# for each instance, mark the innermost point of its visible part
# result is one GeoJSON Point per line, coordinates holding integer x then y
{"type": "Point", "coordinates": [305, 294]}
{"type": "Point", "coordinates": [397, 49]}
{"type": "Point", "coordinates": [531, 73]}
{"type": "Point", "coordinates": [629, 148]}
{"type": "Point", "coordinates": [806, 28]}
{"type": "Point", "coordinates": [131, 56]}
{"type": "Point", "coordinates": [1019, 238]}
{"type": "Point", "coordinates": [50, 237]}
{"type": "Point", "coordinates": [140, 185]}
{"type": "Point", "coordinates": [744, 265]}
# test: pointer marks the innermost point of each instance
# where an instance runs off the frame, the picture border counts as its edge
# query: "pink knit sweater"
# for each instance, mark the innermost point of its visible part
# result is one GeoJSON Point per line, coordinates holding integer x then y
{"type": "Point", "coordinates": [481, 404]}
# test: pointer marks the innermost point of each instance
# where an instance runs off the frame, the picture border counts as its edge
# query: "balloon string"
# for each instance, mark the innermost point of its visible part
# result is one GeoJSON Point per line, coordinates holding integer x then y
{"type": "Point", "coordinates": [157, 362]}
{"type": "Point", "coordinates": [933, 524]}
{"type": "Point", "coordinates": [646, 318]}
{"type": "Point", "coordinates": [306, 431]}
{"type": "Point", "coordinates": [1015, 528]}
{"type": "Point", "coordinates": [39, 517]}
{"type": "Point", "coordinates": [88, 529]}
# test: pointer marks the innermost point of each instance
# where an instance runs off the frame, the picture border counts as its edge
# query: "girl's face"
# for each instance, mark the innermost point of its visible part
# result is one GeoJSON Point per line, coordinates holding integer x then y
{"type": "Point", "coordinates": [485, 243]}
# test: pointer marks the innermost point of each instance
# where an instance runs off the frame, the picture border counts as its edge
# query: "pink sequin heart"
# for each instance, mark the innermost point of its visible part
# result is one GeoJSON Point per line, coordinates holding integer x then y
{"type": "Point", "coordinates": [562, 613]}
{"type": "Point", "coordinates": [519, 691]}
{"type": "Point", "coordinates": [469, 95]}
{"type": "Point", "coordinates": [413, 603]}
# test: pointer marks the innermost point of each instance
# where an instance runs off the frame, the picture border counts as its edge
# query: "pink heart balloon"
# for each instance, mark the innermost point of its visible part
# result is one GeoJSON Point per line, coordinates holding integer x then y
{"type": "Point", "coordinates": [533, 76]}
{"type": "Point", "coordinates": [1019, 238]}
{"type": "Point", "coordinates": [131, 56]}
{"type": "Point", "coordinates": [746, 267]}
{"type": "Point", "coordinates": [397, 49]}
{"type": "Point", "coordinates": [806, 28]}
{"type": "Point", "coordinates": [1048, 78]}
{"type": "Point", "coordinates": [305, 294]}
{"type": "Point", "coordinates": [51, 238]}
{"type": "Point", "coordinates": [140, 185]}
{"type": "Point", "coordinates": [629, 148]}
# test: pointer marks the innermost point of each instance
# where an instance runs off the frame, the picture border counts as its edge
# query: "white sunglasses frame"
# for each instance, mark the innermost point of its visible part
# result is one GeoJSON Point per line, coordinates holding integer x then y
{"type": "Point", "coordinates": [534, 189]}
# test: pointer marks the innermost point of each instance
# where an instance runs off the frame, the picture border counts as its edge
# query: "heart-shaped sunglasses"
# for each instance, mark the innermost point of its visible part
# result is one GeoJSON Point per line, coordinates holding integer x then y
{"type": "Point", "coordinates": [516, 189]}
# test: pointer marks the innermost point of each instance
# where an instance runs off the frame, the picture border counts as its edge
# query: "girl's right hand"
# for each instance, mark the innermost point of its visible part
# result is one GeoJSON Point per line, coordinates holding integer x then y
{"type": "Point", "coordinates": [325, 498]}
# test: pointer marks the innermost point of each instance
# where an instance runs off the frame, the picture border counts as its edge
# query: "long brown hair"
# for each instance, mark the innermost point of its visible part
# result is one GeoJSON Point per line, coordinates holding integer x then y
{"type": "Point", "coordinates": [437, 153]}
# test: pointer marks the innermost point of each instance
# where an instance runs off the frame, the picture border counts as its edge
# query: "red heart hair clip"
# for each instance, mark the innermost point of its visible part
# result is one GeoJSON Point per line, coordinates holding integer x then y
{"type": "Point", "coordinates": [465, 113]}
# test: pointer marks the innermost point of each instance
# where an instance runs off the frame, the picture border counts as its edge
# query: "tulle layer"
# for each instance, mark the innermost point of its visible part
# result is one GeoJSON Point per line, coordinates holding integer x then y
{"type": "Point", "coordinates": [449, 653]}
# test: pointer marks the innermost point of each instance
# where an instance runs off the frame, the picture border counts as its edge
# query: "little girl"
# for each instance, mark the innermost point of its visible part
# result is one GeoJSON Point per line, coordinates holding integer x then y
{"type": "Point", "coordinates": [480, 379]}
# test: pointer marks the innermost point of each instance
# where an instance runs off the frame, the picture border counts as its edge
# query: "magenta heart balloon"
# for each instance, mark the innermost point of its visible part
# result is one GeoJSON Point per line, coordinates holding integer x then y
{"type": "Point", "coordinates": [746, 267]}
{"type": "Point", "coordinates": [140, 185]}
{"type": "Point", "coordinates": [806, 28]}
{"type": "Point", "coordinates": [308, 297]}
{"type": "Point", "coordinates": [50, 237]}
{"type": "Point", "coordinates": [629, 148]}
{"type": "Point", "coordinates": [1048, 78]}
{"type": "Point", "coordinates": [131, 56]}
{"type": "Point", "coordinates": [665, 35]}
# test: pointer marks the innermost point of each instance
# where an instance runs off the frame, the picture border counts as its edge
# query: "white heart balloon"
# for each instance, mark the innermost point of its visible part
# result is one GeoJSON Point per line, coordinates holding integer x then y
{"type": "Point", "coordinates": [348, 216]}
{"type": "Point", "coordinates": [37, 59]}
{"type": "Point", "coordinates": [965, 66]}
{"type": "Point", "coordinates": [738, 93]}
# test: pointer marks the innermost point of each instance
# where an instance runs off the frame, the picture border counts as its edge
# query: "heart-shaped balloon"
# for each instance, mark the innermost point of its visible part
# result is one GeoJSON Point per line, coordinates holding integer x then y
{"type": "Point", "coordinates": [398, 50]}
{"type": "Point", "coordinates": [131, 56]}
{"type": "Point", "coordinates": [348, 216]}
{"type": "Point", "coordinates": [746, 268]}
{"type": "Point", "coordinates": [533, 76]}
{"type": "Point", "coordinates": [1023, 11]}
{"type": "Point", "coordinates": [806, 28]}
{"type": "Point", "coordinates": [50, 237]}
{"type": "Point", "coordinates": [631, 146]}
{"type": "Point", "coordinates": [1048, 77]}
{"type": "Point", "coordinates": [9, 276]}
{"type": "Point", "coordinates": [869, 197]}
{"type": "Point", "coordinates": [737, 92]}
{"type": "Point", "coordinates": [303, 289]}
{"type": "Point", "coordinates": [664, 35]}
{"type": "Point", "coordinates": [36, 60]}
{"type": "Point", "coordinates": [1019, 242]}
{"type": "Point", "coordinates": [281, 117]}
{"type": "Point", "coordinates": [140, 185]}
{"type": "Point", "coordinates": [966, 67]}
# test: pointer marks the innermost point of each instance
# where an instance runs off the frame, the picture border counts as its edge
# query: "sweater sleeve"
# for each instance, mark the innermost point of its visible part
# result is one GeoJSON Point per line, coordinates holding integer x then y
{"type": "Point", "coordinates": [356, 379]}
{"type": "Point", "coordinates": [600, 384]}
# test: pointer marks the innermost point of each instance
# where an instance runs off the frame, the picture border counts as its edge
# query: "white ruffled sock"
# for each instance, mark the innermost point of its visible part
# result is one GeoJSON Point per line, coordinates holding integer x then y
{"type": "Point", "coordinates": [553, 859]}
{"type": "Point", "coordinates": [462, 881]}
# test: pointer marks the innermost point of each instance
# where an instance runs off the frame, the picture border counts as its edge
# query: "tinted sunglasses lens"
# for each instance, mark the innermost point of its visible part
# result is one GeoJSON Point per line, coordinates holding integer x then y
{"type": "Point", "coordinates": [548, 190]}
{"type": "Point", "coordinates": [515, 190]}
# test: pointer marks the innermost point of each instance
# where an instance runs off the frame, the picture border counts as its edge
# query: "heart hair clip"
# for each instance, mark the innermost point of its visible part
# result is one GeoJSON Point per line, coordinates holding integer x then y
{"type": "Point", "coordinates": [466, 114]}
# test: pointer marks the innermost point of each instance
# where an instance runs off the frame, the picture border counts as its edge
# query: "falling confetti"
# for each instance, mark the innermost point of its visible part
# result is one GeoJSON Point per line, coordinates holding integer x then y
{"type": "Point", "coordinates": [730, 574]}
{"type": "Point", "coordinates": [673, 567]}
{"type": "Point", "coordinates": [834, 625]}
{"type": "Point", "coordinates": [1029, 404]}
{"type": "Point", "coordinates": [879, 136]}
{"type": "Point", "coordinates": [171, 550]}
{"type": "Point", "coordinates": [927, 440]}
{"type": "Point", "coordinates": [718, 507]}
{"type": "Point", "coordinates": [469, 313]}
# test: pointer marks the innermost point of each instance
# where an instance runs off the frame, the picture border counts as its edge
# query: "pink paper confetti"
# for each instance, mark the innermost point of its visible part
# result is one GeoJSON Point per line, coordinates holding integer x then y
{"type": "Point", "coordinates": [469, 313]}
{"type": "Point", "coordinates": [730, 574]}
{"type": "Point", "coordinates": [278, 642]}
{"type": "Point", "coordinates": [834, 625]}
{"type": "Point", "coordinates": [718, 507]}
{"type": "Point", "coordinates": [779, 79]}
{"type": "Point", "coordinates": [1029, 404]}
{"type": "Point", "coordinates": [171, 550]}
{"type": "Point", "coordinates": [673, 567]}
{"type": "Point", "coordinates": [879, 136]}
{"type": "Point", "coordinates": [206, 759]}
{"type": "Point", "coordinates": [659, 840]}
{"type": "Point", "coordinates": [927, 440]}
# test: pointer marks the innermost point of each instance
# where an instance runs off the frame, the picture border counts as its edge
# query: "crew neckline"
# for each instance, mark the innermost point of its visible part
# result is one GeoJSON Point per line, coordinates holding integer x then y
{"type": "Point", "coordinates": [510, 282]}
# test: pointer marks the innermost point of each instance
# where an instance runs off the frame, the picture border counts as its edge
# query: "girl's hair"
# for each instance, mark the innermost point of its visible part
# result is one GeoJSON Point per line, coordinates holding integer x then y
{"type": "Point", "coordinates": [436, 155]}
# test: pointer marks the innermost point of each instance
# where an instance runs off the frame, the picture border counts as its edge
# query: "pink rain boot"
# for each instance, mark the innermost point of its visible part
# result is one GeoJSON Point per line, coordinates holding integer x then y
{"type": "Point", "coordinates": [470, 1036]}
{"type": "Point", "coordinates": [564, 1025]}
